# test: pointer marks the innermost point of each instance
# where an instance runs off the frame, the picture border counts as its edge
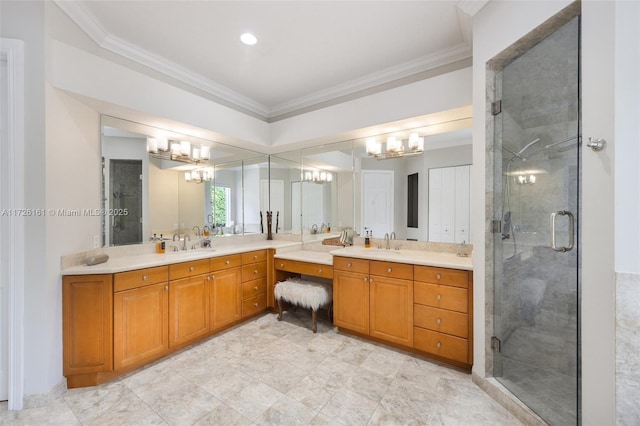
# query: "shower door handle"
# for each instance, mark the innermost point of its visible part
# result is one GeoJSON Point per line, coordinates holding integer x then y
{"type": "Point", "coordinates": [553, 230]}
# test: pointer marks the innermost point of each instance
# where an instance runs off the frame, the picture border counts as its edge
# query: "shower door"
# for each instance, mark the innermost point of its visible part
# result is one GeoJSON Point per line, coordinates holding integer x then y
{"type": "Point", "coordinates": [536, 207]}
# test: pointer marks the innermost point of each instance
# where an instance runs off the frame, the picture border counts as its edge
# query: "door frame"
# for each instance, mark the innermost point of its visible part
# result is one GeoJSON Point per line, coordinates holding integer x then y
{"type": "Point", "coordinates": [13, 243]}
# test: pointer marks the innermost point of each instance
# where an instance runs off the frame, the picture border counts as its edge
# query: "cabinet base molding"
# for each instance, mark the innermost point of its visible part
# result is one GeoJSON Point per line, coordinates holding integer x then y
{"type": "Point", "coordinates": [446, 362]}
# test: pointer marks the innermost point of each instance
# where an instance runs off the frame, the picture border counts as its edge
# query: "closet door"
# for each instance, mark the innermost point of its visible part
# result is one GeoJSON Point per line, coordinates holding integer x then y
{"type": "Point", "coordinates": [462, 204]}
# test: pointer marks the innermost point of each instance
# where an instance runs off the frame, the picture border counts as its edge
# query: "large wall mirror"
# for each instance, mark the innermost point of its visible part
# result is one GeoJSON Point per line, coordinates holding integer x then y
{"type": "Point", "coordinates": [376, 194]}
{"type": "Point", "coordinates": [147, 195]}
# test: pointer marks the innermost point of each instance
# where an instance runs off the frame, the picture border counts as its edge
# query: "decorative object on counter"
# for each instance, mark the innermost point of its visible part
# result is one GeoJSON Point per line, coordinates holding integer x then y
{"type": "Point", "coordinates": [261, 225]}
{"type": "Point", "coordinates": [328, 228]}
{"type": "Point", "coordinates": [277, 220]}
{"type": "Point", "coordinates": [346, 237]}
{"type": "Point", "coordinates": [160, 247]}
{"type": "Point", "coordinates": [269, 220]}
{"type": "Point", "coordinates": [206, 230]}
{"type": "Point", "coordinates": [314, 229]}
{"type": "Point", "coordinates": [308, 294]}
{"type": "Point", "coordinates": [97, 259]}
{"type": "Point", "coordinates": [367, 239]}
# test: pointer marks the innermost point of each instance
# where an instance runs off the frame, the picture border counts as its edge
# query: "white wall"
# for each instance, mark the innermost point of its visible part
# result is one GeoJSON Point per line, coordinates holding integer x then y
{"type": "Point", "coordinates": [496, 26]}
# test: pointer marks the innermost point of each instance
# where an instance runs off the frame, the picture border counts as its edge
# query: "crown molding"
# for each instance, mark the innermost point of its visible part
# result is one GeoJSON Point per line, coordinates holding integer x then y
{"type": "Point", "coordinates": [426, 63]}
{"type": "Point", "coordinates": [88, 23]}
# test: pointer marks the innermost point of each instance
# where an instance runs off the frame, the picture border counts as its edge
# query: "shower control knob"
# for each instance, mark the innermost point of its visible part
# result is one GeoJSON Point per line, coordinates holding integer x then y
{"type": "Point", "coordinates": [597, 144]}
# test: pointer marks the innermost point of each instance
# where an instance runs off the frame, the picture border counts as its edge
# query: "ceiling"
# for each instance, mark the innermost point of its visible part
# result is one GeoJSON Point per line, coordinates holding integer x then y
{"type": "Point", "coordinates": [309, 54]}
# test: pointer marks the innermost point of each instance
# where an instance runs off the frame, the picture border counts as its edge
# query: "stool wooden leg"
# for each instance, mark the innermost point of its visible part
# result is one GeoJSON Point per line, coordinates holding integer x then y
{"type": "Point", "coordinates": [314, 316]}
{"type": "Point", "coordinates": [280, 309]}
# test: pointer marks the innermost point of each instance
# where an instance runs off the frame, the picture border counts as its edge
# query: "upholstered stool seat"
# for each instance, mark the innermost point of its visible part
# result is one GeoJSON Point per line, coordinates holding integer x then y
{"type": "Point", "coordinates": [307, 294]}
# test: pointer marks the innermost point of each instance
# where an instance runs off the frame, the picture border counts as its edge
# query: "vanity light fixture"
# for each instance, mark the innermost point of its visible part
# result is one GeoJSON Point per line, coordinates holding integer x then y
{"type": "Point", "coordinates": [395, 148]}
{"type": "Point", "coordinates": [199, 176]}
{"type": "Point", "coordinates": [318, 176]}
{"type": "Point", "coordinates": [182, 151]}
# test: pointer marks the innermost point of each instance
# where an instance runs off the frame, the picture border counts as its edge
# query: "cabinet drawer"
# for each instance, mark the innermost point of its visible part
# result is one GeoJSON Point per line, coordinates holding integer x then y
{"type": "Point", "coordinates": [453, 277]}
{"type": "Point", "coordinates": [225, 262]}
{"type": "Point", "coordinates": [254, 271]}
{"type": "Point", "coordinates": [254, 288]}
{"type": "Point", "coordinates": [351, 264]}
{"type": "Point", "coordinates": [254, 304]}
{"type": "Point", "coordinates": [443, 345]}
{"type": "Point", "coordinates": [441, 296]}
{"type": "Point", "coordinates": [391, 269]}
{"type": "Point", "coordinates": [306, 268]}
{"type": "Point", "coordinates": [254, 256]}
{"type": "Point", "coordinates": [140, 278]}
{"type": "Point", "coordinates": [188, 269]}
{"type": "Point", "coordinates": [441, 320]}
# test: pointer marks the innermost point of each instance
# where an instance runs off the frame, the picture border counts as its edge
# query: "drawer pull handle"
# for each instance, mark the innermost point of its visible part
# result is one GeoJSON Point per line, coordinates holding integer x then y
{"type": "Point", "coordinates": [319, 271]}
{"type": "Point", "coordinates": [213, 277]}
{"type": "Point", "coordinates": [438, 345]}
{"type": "Point", "coordinates": [438, 321]}
{"type": "Point", "coordinates": [365, 280]}
{"type": "Point", "coordinates": [282, 265]}
{"type": "Point", "coordinates": [255, 257]}
{"type": "Point", "coordinates": [255, 304]}
{"type": "Point", "coordinates": [166, 287]}
{"type": "Point", "coordinates": [255, 271]}
{"type": "Point", "coordinates": [438, 276]}
{"type": "Point", "coordinates": [256, 288]}
{"type": "Point", "coordinates": [388, 269]}
{"type": "Point", "coordinates": [208, 278]}
{"type": "Point", "coordinates": [438, 297]}
{"type": "Point", "coordinates": [227, 262]}
{"type": "Point", "coordinates": [370, 280]}
{"type": "Point", "coordinates": [144, 278]}
{"type": "Point", "coordinates": [191, 268]}
{"type": "Point", "coordinates": [349, 265]}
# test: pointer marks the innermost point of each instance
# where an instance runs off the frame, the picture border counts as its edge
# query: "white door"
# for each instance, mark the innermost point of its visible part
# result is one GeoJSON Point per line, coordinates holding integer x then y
{"type": "Point", "coordinates": [377, 202]}
{"type": "Point", "coordinates": [275, 199]}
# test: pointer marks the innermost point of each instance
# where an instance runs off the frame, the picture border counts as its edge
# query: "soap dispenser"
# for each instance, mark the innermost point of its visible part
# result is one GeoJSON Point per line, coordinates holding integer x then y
{"type": "Point", "coordinates": [367, 239]}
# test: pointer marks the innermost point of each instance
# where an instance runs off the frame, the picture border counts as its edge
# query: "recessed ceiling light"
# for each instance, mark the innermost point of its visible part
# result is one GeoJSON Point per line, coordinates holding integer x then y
{"type": "Point", "coordinates": [248, 39]}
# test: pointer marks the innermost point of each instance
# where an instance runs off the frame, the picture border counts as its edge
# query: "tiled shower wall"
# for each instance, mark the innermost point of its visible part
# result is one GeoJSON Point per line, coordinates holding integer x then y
{"type": "Point", "coordinates": [627, 348]}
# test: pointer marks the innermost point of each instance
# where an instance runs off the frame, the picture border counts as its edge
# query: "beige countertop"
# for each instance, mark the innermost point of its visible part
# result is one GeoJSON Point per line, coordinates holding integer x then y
{"type": "Point", "coordinates": [138, 261]}
{"type": "Point", "coordinates": [284, 250]}
{"type": "Point", "coordinates": [416, 257]}
{"type": "Point", "coordinates": [320, 257]}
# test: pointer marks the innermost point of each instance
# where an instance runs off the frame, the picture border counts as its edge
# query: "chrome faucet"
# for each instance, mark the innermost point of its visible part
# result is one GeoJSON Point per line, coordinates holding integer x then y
{"type": "Point", "coordinates": [393, 235]}
{"type": "Point", "coordinates": [176, 236]}
{"type": "Point", "coordinates": [197, 229]}
{"type": "Point", "coordinates": [386, 241]}
{"type": "Point", "coordinates": [186, 238]}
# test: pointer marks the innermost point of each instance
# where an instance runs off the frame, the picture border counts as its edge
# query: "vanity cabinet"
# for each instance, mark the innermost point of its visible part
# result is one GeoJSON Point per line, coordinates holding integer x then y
{"type": "Point", "coordinates": [443, 316]}
{"type": "Point", "coordinates": [351, 294]}
{"type": "Point", "coordinates": [225, 292]}
{"type": "Point", "coordinates": [87, 325]}
{"type": "Point", "coordinates": [188, 302]}
{"type": "Point", "coordinates": [391, 302]}
{"type": "Point", "coordinates": [374, 298]}
{"type": "Point", "coordinates": [140, 316]}
{"type": "Point", "coordinates": [254, 282]}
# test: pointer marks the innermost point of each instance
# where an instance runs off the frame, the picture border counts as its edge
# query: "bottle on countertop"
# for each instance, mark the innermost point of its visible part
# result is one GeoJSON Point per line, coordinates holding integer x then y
{"type": "Point", "coordinates": [367, 239]}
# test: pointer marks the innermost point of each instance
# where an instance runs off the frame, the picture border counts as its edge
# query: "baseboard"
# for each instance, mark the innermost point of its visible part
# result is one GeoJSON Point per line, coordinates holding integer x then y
{"type": "Point", "coordinates": [44, 399]}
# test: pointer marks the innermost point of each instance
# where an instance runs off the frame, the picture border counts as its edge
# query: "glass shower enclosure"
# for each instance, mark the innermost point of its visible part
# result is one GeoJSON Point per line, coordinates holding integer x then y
{"type": "Point", "coordinates": [535, 236]}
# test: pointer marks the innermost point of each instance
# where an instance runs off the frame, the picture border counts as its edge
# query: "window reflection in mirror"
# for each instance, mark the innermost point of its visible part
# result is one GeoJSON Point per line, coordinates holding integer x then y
{"type": "Point", "coordinates": [167, 202]}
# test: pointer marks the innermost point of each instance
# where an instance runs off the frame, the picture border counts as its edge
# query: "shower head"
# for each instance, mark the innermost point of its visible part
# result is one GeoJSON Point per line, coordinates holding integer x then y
{"type": "Point", "coordinates": [527, 146]}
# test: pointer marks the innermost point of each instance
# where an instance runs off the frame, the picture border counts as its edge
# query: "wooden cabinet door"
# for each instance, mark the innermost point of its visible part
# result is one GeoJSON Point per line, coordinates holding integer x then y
{"type": "Point", "coordinates": [87, 324]}
{"type": "Point", "coordinates": [225, 298]}
{"type": "Point", "coordinates": [141, 324]}
{"type": "Point", "coordinates": [188, 310]}
{"type": "Point", "coordinates": [351, 301]}
{"type": "Point", "coordinates": [391, 309]}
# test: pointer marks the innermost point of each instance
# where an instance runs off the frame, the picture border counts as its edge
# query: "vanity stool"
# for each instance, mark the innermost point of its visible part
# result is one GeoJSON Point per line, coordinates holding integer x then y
{"type": "Point", "coordinates": [307, 294]}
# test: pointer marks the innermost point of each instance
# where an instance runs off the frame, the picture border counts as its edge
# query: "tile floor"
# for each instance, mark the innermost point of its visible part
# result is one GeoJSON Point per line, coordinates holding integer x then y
{"type": "Point", "coordinates": [267, 372]}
